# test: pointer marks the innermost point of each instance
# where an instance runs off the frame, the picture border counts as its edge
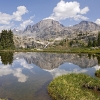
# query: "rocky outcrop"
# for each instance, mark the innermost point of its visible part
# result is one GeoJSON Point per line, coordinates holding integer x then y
{"type": "Point", "coordinates": [27, 42]}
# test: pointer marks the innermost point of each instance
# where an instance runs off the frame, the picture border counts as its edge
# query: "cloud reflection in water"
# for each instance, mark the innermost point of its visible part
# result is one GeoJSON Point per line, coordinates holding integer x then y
{"type": "Point", "coordinates": [67, 68]}
{"type": "Point", "coordinates": [16, 71]}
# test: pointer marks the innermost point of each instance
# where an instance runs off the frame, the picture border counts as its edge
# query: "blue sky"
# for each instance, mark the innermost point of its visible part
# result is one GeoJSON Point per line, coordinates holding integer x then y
{"type": "Point", "coordinates": [20, 13]}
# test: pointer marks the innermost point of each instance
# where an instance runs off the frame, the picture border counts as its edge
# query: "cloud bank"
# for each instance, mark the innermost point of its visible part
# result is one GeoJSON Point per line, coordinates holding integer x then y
{"type": "Point", "coordinates": [71, 10]}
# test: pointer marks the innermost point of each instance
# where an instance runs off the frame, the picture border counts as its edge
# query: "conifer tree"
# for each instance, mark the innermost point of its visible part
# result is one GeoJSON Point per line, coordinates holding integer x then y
{"type": "Point", "coordinates": [98, 38]}
{"type": "Point", "coordinates": [6, 39]}
{"type": "Point", "coordinates": [94, 43]}
{"type": "Point", "coordinates": [89, 43]}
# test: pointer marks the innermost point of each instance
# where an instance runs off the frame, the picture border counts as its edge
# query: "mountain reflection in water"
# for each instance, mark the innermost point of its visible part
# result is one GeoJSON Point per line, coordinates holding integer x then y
{"type": "Point", "coordinates": [47, 61]}
{"type": "Point", "coordinates": [53, 60]}
{"type": "Point", "coordinates": [25, 76]}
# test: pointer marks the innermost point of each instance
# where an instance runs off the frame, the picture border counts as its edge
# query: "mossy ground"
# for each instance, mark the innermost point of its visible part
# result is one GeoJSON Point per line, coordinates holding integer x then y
{"type": "Point", "coordinates": [71, 87]}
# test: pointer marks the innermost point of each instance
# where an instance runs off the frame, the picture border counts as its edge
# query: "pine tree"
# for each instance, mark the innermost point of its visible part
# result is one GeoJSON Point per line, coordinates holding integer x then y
{"type": "Point", "coordinates": [89, 43]}
{"type": "Point", "coordinates": [94, 43]}
{"type": "Point", "coordinates": [6, 40]}
{"type": "Point", "coordinates": [71, 43]}
{"type": "Point", "coordinates": [98, 39]}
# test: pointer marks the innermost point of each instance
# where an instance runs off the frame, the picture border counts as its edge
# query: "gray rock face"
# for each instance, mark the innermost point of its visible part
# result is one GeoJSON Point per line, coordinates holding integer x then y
{"type": "Point", "coordinates": [18, 32]}
{"type": "Point", "coordinates": [47, 23]}
{"type": "Point", "coordinates": [48, 29]}
{"type": "Point", "coordinates": [44, 29]}
{"type": "Point", "coordinates": [86, 26]}
{"type": "Point", "coordinates": [50, 61]}
{"type": "Point", "coordinates": [27, 42]}
{"type": "Point", "coordinates": [28, 28]}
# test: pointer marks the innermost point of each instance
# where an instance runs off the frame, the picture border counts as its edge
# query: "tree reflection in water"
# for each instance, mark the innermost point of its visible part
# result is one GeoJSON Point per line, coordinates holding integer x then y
{"type": "Point", "coordinates": [98, 58]}
{"type": "Point", "coordinates": [6, 57]}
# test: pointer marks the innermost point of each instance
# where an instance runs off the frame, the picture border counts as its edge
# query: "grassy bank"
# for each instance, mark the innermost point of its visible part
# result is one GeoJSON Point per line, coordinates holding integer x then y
{"type": "Point", "coordinates": [74, 87]}
{"type": "Point", "coordinates": [73, 50]}
{"type": "Point", "coordinates": [84, 50]}
{"type": "Point", "coordinates": [57, 50]}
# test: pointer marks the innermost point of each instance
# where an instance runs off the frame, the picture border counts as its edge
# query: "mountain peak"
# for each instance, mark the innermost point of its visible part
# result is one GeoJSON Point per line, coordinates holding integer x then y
{"type": "Point", "coordinates": [28, 28]}
{"type": "Point", "coordinates": [87, 22]}
{"type": "Point", "coordinates": [46, 24]}
{"type": "Point", "coordinates": [84, 22]}
{"type": "Point", "coordinates": [86, 26]}
{"type": "Point", "coordinates": [49, 22]}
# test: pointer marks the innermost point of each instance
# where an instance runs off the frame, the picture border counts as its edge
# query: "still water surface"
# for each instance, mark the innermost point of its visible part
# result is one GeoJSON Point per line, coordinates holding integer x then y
{"type": "Point", "coordinates": [25, 76]}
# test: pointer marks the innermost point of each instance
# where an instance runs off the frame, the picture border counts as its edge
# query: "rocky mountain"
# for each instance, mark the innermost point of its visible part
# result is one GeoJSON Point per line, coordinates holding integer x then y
{"type": "Point", "coordinates": [47, 31]}
{"type": "Point", "coordinates": [39, 34]}
{"type": "Point", "coordinates": [18, 32]}
{"type": "Point", "coordinates": [86, 26]}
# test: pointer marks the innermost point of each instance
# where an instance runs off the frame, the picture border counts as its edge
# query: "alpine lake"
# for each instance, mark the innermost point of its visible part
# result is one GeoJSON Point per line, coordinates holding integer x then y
{"type": "Point", "coordinates": [25, 76]}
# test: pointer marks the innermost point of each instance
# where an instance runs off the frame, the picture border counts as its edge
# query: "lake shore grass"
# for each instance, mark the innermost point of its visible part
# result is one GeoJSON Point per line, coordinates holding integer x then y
{"type": "Point", "coordinates": [74, 87]}
{"type": "Point", "coordinates": [70, 50]}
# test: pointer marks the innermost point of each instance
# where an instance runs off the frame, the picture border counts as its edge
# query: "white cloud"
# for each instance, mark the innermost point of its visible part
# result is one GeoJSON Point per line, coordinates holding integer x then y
{"type": "Point", "coordinates": [7, 27]}
{"type": "Point", "coordinates": [21, 77]}
{"type": "Point", "coordinates": [7, 20]}
{"type": "Point", "coordinates": [58, 72]}
{"type": "Point", "coordinates": [17, 72]}
{"type": "Point", "coordinates": [77, 17]}
{"type": "Point", "coordinates": [21, 10]}
{"type": "Point", "coordinates": [25, 23]}
{"type": "Point", "coordinates": [97, 21]}
{"type": "Point", "coordinates": [65, 10]}
{"type": "Point", "coordinates": [84, 10]}
{"type": "Point", "coordinates": [24, 64]}
{"type": "Point", "coordinates": [61, 71]}
{"type": "Point", "coordinates": [16, 16]}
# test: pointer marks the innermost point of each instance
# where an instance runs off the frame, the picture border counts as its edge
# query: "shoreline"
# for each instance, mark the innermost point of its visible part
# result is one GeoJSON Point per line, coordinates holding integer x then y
{"type": "Point", "coordinates": [59, 51]}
